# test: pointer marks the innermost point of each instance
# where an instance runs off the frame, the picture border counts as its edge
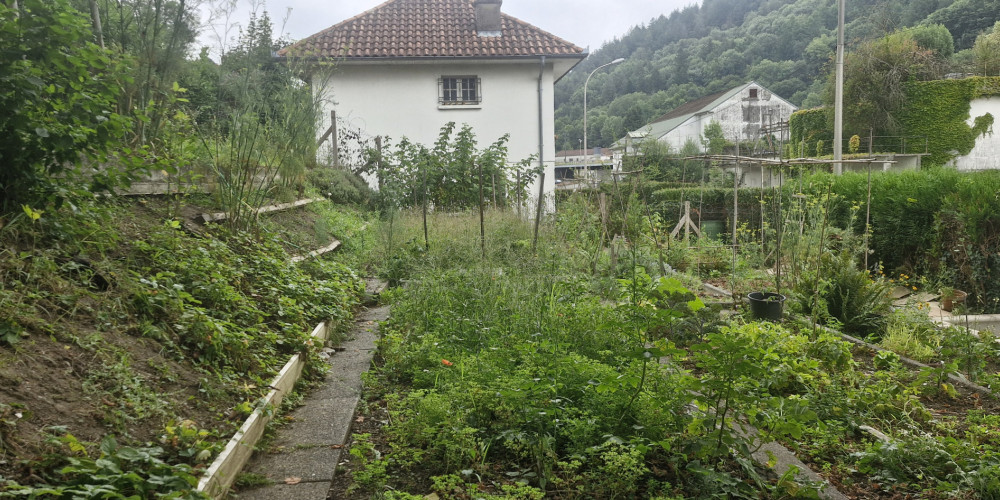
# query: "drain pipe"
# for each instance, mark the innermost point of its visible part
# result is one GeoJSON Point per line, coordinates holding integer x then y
{"type": "Point", "coordinates": [541, 156]}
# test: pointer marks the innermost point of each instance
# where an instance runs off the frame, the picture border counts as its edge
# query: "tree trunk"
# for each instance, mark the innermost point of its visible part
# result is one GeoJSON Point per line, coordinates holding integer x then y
{"type": "Point", "coordinates": [95, 16]}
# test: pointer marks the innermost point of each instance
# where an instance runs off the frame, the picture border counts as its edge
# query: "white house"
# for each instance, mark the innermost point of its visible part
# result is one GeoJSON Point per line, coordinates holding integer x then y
{"type": "Point", "coordinates": [744, 112]}
{"type": "Point", "coordinates": [408, 67]}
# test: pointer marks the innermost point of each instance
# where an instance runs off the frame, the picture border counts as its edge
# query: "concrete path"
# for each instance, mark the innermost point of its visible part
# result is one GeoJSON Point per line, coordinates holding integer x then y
{"type": "Point", "coordinates": [302, 459]}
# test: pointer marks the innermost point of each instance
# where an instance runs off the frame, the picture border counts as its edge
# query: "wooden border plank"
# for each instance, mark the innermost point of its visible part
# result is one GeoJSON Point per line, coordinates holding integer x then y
{"type": "Point", "coordinates": [221, 475]}
{"type": "Point", "coordinates": [220, 216]}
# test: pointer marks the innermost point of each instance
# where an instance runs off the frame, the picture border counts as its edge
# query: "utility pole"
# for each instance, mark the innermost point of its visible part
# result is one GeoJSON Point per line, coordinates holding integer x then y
{"type": "Point", "coordinates": [838, 120]}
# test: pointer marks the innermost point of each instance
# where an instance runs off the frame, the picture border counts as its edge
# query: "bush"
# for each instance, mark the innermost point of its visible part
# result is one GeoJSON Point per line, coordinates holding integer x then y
{"type": "Point", "coordinates": [859, 303]}
{"type": "Point", "coordinates": [58, 97]}
{"type": "Point", "coordinates": [341, 186]}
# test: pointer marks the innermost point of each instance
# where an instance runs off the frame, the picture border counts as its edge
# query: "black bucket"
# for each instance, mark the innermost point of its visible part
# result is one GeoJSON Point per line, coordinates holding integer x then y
{"type": "Point", "coordinates": [766, 305]}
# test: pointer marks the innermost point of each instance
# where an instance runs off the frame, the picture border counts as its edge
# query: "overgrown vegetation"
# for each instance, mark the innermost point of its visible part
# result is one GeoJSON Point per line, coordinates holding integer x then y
{"type": "Point", "coordinates": [169, 338]}
{"type": "Point", "coordinates": [581, 370]}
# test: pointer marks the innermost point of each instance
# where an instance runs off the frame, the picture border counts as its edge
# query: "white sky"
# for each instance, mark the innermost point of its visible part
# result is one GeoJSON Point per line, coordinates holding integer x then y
{"type": "Point", "coordinates": [587, 23]}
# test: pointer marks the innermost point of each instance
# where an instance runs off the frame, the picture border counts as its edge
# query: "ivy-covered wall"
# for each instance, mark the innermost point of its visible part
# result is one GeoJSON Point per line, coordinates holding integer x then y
{"type": "Point", "coordinates": [937, 109]}
{"type": "Point", "coordinates": [809, 126]}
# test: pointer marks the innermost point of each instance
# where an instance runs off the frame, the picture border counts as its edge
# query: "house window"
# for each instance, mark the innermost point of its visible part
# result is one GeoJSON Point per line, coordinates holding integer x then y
{"type": "Point", "coordinates": [753, 93]}
{"type": "Point", "coordinates": [459, 90]}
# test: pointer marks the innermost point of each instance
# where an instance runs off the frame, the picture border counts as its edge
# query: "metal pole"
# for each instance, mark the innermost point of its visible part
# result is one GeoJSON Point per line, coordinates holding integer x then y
{"type": "Point", "coordinates": [838, 120]}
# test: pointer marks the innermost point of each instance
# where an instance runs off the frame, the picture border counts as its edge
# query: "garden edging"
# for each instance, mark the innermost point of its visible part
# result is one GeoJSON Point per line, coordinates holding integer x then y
{"type": "Point", "coordinates": [222, 473]}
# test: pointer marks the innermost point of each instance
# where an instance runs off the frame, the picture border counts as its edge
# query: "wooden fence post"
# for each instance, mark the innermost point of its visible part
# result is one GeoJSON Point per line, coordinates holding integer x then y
{"type": "Point", "coordinates": [334, 140]}
{"type": "Point", "coordinates": [482, 220]}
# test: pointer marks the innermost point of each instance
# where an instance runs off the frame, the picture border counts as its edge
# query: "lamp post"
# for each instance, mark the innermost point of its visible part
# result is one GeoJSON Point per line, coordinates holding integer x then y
{"type": "Point", "coordinates": [586, 154]}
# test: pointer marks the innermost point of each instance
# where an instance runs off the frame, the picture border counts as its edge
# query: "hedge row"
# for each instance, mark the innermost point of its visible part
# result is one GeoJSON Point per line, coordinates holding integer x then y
{"type": "Point", "coordinates": [936, 222]}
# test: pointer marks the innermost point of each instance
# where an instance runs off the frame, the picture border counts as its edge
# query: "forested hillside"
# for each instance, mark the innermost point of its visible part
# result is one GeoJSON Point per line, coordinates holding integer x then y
{"type": "Point", "coordinates": [785, 45]}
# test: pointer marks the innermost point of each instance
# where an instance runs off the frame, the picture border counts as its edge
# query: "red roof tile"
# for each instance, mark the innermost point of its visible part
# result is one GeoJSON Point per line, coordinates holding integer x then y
{"type": "Point", "coordinates": [427, 28]}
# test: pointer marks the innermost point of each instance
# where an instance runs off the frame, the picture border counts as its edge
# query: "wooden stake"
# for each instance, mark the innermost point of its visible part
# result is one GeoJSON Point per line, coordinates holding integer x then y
{"type": "Point", "coordinates": [482, 219]}
{"type": "Point", "coordinates": [517, 191]}
{"type": "Point", "coordinates": [603, 203]}
{"type": "Point", "coordinates": [334, 140]}
{"type": "Point", "coordinates": [378, 161]}
{"type": "Point", "coordinates": [687, 223]}
{"type": "Point", "coordinates": [538, 208]}
{"type": "Point", "coordinates": [427, 243]}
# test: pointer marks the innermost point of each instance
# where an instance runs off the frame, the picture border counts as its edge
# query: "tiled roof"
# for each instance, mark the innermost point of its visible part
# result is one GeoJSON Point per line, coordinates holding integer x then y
{"type": "Point", "coordinates": [428, 28]}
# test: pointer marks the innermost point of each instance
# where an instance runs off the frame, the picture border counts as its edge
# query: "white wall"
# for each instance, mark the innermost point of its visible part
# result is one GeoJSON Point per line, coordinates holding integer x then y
{"type": "Point", "coordinates": [986, 153]}
{"type": "Point", "coordinates": [690, 129]}
{"type": "Point", "coordinates": [401, 100]}
{"type": "Point", "coordinates": [731, 116]}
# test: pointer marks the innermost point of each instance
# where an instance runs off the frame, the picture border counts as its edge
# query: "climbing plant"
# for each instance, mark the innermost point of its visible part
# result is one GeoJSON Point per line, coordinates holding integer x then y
{"type": "Point", "coordinates": [939, 110]}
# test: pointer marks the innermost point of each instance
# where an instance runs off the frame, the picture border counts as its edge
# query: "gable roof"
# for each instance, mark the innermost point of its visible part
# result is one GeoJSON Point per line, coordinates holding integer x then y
{"type": "Point", "coordinates": [703, 105]}
{"type": "Point", "coordinates": [428, 28]}
{"type": "Point", "coordinates": [676, 117]}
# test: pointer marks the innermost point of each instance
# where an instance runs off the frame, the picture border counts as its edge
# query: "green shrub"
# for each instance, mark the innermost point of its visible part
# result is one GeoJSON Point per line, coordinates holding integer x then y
{"type": "Point", "coordinates": [341, 186]}
{"type": "Point", "coordinates": [58, 97]}
{"type": "Point", "coordinates": [859, 303]}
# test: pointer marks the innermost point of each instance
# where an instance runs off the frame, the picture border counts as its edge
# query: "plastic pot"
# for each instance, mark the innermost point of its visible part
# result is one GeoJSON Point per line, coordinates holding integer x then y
{"type": "Point", "coordinates": [766, 305]}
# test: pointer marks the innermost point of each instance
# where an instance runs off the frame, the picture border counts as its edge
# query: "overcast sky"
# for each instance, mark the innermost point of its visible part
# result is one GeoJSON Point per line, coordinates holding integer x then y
{"type": "Point", "coordinates": [587, 23]}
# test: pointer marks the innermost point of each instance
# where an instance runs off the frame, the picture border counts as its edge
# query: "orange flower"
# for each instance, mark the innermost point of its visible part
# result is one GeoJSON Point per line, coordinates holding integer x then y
{"type": "Point", "coordinates": [445, 362]}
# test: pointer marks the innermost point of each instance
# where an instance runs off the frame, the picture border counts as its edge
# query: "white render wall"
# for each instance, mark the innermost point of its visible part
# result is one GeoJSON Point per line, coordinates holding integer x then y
{"type": "Point", "coordinates": [400, 99]}
{"type": "Point", "coordinates": [731, 116]}
{"type": "Point", "coordinates": [986, 154]}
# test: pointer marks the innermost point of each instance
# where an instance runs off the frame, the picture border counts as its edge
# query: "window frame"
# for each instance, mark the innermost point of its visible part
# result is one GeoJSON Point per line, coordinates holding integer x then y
{"type": "Point", "coordinates": [467, 90]}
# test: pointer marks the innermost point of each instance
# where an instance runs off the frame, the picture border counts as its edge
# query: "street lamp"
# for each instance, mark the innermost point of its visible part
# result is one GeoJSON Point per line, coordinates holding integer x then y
{"type": "Point", "coordinates": [586, 154]}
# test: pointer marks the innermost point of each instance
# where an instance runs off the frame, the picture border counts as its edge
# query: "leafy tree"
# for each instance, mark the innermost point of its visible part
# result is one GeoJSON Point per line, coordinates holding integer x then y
{"type": "Point", "coordinates": [820, 52]}
{"type": "Point", "coordinates": [154, 36]}
{"type": "Point", "coordinates": [966, 19]}
{"type": "Point", "coordinates": [634, 118]}
{"type": "Point", "coordinates": [934, 37]}
{"type": "Point", "coordinates": [875, 78]}
{"type": "Point", "coordinates": [58, 94]}
{"type": "Point", "coordinates": [714, 140]}
{"type": "Point", "coordinates": [987, 52]}
{"type": "Point", "coordinates": [448, 172]}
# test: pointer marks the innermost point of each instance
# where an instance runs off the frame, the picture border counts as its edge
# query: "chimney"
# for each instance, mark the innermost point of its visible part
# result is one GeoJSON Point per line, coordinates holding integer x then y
{"type": "Point", "coordinates": [488, 17]}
